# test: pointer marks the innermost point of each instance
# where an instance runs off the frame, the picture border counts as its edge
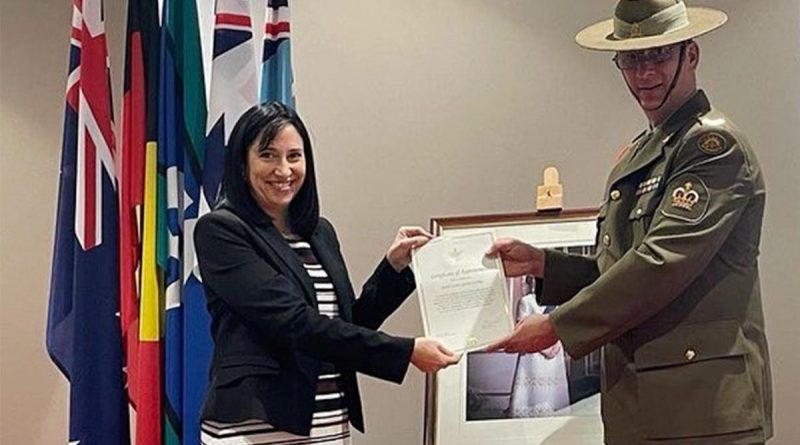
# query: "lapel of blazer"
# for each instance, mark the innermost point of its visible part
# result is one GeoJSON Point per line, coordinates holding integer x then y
{"type": "Point", "coordinates": [328, 257]}
{"type": "Point", "coordinates": [275, 241]}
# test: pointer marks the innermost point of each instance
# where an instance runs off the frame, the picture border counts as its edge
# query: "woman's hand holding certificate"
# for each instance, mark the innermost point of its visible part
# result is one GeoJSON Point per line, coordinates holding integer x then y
{"type": "Point", "coordinates": [463, 294]}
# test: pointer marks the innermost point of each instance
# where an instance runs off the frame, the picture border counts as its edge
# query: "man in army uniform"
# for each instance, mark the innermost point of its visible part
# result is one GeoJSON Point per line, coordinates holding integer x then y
{"type": "Point", "coordinates": [672, 295]}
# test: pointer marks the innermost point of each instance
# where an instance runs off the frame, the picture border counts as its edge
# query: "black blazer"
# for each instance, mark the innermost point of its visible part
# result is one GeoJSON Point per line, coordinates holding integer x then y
{"type": "Point", "coordinates": [269, 337]}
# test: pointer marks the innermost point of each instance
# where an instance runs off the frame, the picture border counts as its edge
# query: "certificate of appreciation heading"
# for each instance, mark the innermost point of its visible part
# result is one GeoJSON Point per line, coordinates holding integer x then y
{"type": "Point", "coordinates": [463, 294]}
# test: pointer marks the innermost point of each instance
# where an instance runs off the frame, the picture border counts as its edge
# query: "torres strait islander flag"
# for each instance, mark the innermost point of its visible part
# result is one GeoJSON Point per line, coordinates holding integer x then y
{"type": "Point", "coordinates": [83, 326]}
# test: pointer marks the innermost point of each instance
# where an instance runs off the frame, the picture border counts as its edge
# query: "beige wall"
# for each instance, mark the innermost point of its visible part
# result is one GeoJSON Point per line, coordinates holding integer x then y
{"type": "Point", "coordinates": [418, 109]}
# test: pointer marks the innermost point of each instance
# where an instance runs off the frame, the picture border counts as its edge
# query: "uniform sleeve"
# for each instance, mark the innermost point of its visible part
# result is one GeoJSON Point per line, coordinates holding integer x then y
{"type": "Point", "coordinates": [564, 276]}
{"type": "Point", "coordinates": [704, 198]}
{"type": "Point", "coordinates": [274, 308]}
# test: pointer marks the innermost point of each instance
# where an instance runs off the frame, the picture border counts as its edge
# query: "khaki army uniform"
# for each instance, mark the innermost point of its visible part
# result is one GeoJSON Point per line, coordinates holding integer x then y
{"type": "Point", "coordinates": [673, 295]}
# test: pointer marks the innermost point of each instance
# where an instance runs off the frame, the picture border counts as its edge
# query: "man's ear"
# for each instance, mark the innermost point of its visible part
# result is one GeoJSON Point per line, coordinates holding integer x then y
{"type": "Point", "coordinates": [692, 54]}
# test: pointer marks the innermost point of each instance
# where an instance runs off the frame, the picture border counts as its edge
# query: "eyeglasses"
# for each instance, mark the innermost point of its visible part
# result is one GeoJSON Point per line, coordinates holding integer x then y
{"type": "Point", "coordinates": [633, 59]}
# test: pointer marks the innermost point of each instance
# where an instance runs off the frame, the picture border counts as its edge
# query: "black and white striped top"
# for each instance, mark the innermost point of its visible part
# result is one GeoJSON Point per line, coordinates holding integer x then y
{"type": "Point", "coordinates": [330, 424]}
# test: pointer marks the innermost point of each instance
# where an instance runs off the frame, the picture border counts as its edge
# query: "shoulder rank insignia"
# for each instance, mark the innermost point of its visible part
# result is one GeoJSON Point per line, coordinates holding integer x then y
{"type": "Point", "coordinates": [712, 143]}
{"type": "Point", "coordinates": [686, 199]}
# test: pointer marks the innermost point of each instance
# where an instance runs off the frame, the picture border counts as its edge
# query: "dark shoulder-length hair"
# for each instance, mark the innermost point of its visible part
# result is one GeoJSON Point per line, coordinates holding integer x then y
{"type": "Point", "coordinates": [259, 125]}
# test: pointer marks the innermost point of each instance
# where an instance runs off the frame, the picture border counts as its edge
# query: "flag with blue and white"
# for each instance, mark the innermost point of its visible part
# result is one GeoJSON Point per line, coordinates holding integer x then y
{"type": "Point", "coordinates": [181, 152]}
{"type": "Point", "coordinates": [234, 89]}
{"type": "Point", "coordinates": [276, 76]}
{"type": "Point", "coordinates": [83, 327]}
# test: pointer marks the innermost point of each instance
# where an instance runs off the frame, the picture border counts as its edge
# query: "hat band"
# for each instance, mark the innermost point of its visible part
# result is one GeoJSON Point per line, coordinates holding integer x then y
{"type": "Point", "coordinates": [663, 22]}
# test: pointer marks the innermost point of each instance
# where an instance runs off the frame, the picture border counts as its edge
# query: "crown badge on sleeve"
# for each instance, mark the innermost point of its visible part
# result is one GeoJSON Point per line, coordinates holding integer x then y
{"type": "Point", "coordinates": [684, 197]}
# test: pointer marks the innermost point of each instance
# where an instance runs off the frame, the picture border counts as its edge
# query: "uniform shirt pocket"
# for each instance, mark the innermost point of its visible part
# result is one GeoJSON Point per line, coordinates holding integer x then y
{"type": "Point", "coordinates": [641, 215]}
{"type": "Point", "coordinates": [696, 381]}
{"type": "Point", "coordinates": [601, 250]}
{"type": "Point", "coordinates": [645, 206]}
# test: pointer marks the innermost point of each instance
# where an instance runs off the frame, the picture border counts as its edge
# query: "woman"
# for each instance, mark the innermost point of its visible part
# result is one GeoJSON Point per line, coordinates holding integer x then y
{"type": "Point", "coordinates": [288, 333]}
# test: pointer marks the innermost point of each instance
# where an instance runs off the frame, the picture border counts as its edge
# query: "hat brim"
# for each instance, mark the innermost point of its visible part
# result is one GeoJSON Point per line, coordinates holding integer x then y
{"type": "Point", "coordinates": [600, 36]}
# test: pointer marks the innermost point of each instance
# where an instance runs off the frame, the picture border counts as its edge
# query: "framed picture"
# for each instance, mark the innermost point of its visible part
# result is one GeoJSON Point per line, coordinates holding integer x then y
{"type": "Point", "coordinates": [519, 399]}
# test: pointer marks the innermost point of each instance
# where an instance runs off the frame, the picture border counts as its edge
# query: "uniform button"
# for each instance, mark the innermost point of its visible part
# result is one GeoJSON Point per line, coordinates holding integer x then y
{"type": "Point", "coordinates": [638, 212]}
{"type": "Point", "coordinates": [606, 240]}
{"type": "Point", "coordinates": [615, 195]}
{"type": "Point", "coordinates": [690, 354]}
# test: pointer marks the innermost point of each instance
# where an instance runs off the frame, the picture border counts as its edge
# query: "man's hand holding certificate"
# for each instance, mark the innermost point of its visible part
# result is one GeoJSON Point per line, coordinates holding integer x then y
{"type": "Point", "coordinates": [463, 294]}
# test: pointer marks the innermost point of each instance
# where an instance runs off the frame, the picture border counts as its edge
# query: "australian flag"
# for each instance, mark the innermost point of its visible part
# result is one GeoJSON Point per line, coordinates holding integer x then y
{"type": "Point", "coordinates": [83, 326]}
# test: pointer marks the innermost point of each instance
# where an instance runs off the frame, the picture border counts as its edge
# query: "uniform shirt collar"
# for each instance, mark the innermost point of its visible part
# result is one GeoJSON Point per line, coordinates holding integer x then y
{"type": "Point", "coordinates": [695, 106]}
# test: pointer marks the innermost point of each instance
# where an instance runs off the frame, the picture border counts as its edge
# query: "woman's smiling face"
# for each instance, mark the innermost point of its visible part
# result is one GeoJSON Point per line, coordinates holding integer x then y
{"type": "Point", "coordinates": [276, 174]}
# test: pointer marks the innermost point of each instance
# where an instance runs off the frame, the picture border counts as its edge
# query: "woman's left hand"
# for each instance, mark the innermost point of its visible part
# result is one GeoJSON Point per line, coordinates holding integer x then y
{"type": "Point", "coordinates": [407, 239]}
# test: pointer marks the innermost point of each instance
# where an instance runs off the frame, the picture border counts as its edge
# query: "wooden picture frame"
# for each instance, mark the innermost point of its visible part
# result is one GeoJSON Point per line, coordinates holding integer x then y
{"type": "Point", "coordinates": [518, 399]}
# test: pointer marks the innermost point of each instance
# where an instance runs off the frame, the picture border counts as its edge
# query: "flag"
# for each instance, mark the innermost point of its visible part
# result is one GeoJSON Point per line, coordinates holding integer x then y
{"type": "Point", "coordinates": [169, 138]}
{"type": "Point", "coordinates": [140, 309]}
{"type": "Point", "coordinates": [83, 329]}
{"type": "Point", "coordinates": [234, 89]}
{"type": "Point", "coordinates": [234, 86]}
{"type": "Point", "coordinates": [181, 153]}
{"type": "Point", "coordinates": [276, 72]}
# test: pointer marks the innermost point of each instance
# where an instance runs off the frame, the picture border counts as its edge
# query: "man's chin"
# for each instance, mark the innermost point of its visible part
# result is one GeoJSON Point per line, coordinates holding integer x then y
{"type": "Point", "coordinates": [649, 105]}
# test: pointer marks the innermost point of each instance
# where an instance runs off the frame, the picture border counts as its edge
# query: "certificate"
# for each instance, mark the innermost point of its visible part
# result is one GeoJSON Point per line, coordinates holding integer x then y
{"type": "Point", "coordinates": [462, 293]}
